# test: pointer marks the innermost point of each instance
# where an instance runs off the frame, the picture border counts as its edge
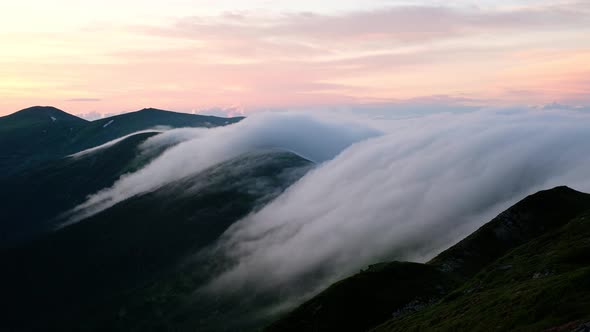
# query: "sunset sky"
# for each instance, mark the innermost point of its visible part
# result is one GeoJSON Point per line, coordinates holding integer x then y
{"type": "Point", "coordinates": [188, 55]}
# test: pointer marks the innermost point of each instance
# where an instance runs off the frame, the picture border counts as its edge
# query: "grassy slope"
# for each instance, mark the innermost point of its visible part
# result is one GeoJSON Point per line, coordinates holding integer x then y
{"type": "Point", "coordinates": [84, 273]}
{"type": "Point", "coordinates": [540, 285]}
{"type": "Point", "coordinates": [369, 297]}
{"type": "Point", "coordinates": [170, 303]}
{"type": "Point", "coordinates": [60, 185]}
{"type": "Point", "coordinates": [527, 219]}
{"type": "Point", "coordinates": [372, 297]}
{"type": "Point", "coordinates": [30, 137]}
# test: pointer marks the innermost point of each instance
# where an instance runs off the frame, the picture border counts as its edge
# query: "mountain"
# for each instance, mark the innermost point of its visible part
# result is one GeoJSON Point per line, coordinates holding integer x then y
{"type": "Point", "coordinates": [542, 285]}
{"type": "Point", "coordinates": [40, 117]}
{"type": "Point", "coordinates": [32, 136]}
{"type": "Point", "coordinates": [527, 270]}
{"type": "Point", "coordinates": [60, 185]}
{"type": "Point", "coordinates": [101, 131]}
{"type": "Point", "coordinates": [134, 255]}
{"type": "Point", "coordinates": [145, 263]}
{"type": "Point", "coordinates": [80, 277]}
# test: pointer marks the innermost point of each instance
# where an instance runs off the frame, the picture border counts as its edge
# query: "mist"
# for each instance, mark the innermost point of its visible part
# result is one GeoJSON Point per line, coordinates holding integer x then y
{"type": "Point", "coordinates": [197, 149]}
{"type": "Point", "coordinates": [398, 189]}
{"type": "Point", "coordinates": [113, 142]}
{"type": "Point", "coordinates": [405, 195]}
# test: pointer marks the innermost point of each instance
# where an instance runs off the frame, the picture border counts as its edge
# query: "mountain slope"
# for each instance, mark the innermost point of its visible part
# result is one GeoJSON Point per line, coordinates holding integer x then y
{"type": "Point", "coordinates": [101, 131]}
{"type": "Point", "coordinates": [93, 268]}
{"type": "Point", "coordinates": [38, 116]}
{"type": "Point", "coordinates": [527, 219]}
{"type": "Point", "coordinates": [62, 184]}
{"type": "Point", "coordinates": [543, 285]}
{"type": "Point", "coordinates": [369, 298]}
{"type": "Point", "coordinates": [33, 135]}
{"type": "Point", "coordinates": [400, 290]}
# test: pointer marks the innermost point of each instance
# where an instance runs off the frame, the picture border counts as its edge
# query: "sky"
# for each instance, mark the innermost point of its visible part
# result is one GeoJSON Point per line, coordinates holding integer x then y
{"type": "Point", "coordinates": [104, 57]}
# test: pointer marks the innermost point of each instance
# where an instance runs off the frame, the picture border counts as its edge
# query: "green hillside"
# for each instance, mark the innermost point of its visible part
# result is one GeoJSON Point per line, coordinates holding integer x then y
{"type": "Point", "coordinates": [60, 185]}
{"type": "Point", "coordinates": [528, 270]}
{"type": "Point", "coordinates": [543, 285]}
{"type": "Point", "coordinates": [34, 135]}
{"type": "Point", "coordinates": [79, 277]}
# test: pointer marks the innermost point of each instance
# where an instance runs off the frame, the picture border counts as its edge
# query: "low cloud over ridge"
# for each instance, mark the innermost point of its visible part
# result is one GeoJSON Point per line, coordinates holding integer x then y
{"type": "Point", "coordinates": [312, 138]}
{"type": "Point", "coordinates": [399, 189]}
{"type": "Point", "coordinates": [405, 195]}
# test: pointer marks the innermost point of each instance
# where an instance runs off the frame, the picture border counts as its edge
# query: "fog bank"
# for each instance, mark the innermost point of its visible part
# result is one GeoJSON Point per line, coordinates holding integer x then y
{"type": "Point", "coordinates": [405, 195]}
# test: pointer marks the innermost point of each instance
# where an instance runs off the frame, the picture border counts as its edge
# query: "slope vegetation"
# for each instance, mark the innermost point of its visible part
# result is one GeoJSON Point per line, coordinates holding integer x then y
{"type": "Point", "coordinates": [527, 269]}
{"type": "Point", "coordinates": [39, 195]}
{"type": "Point", "coordinates": [81, 276]}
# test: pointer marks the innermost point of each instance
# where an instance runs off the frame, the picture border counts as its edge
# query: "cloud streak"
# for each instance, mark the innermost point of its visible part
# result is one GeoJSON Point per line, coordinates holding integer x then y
{"type": "Point", "coordinates": [395, 23]}
{"type": "Point", "coordinates": [83, 100]}
{"type": "Point", "coordinates": [110, 143]}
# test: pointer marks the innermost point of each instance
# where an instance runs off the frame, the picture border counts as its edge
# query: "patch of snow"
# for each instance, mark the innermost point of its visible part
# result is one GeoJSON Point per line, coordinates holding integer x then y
{"type": "Point", "coordinates": [108, 123]}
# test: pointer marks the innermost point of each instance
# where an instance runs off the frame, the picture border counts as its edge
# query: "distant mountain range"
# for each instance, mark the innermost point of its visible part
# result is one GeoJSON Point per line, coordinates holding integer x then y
{"type": "Point", "coordinates": [34, 170]}
{"type": "Point", "coordinates": [80, 277]}
{"type": "Point", "coordinates": [141, 264]}
{"type": "Point", "coordinates": [37, 134]}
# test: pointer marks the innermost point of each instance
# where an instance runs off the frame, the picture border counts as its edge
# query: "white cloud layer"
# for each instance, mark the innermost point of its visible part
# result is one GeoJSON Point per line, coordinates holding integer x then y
{"type": "Point", "coordinates": [404, 191]}
{"type": "Point", "coordinates": [314, 139]}
{"type": "Point", "coordinates": [405, 195]}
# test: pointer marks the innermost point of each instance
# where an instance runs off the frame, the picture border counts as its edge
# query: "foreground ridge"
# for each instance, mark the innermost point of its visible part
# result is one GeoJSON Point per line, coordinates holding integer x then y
{"type": "Point", "coordinates": [527, 269]}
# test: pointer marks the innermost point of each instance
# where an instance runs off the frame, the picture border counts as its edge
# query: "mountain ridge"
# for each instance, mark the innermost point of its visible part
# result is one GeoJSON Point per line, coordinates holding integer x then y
{"type": "Point", "coordinates": [93, 268]}
{"type": "Point", "coordinates": [41, 114]}
{"type": "Point", "coordinates": [388, 291]}
{"type": "Point", "coordinates": [37, 134]}
{"type": "Point", "coordinates": [39, 110]}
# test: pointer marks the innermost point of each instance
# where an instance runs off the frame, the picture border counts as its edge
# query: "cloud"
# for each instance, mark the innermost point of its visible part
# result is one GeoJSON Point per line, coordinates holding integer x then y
{"type": "Point", "coordinates": [315, 139]}
{"type": "Point", "coordinates": [90, 116]}
{"type": "Point", "coordinates": [84, 99]}
{"type": "Point", "coordinates": [394, 189]}
{"type": "Point", "coordinates": [559, 106]}
{"type": "Point", "coordinates": [393, 23]}
{"type": "Point", "coordinates": [111, 143]}
{"type": "Point", "coordinates": [259, 59]}
{"type": "Point", "coordinates": [403, 195]}
{"type": "Point", "coordinates": [231, 111]}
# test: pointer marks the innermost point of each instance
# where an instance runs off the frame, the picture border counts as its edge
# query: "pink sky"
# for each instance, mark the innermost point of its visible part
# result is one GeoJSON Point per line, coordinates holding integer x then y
{"type": "Point", "coordinates": [188, 59]}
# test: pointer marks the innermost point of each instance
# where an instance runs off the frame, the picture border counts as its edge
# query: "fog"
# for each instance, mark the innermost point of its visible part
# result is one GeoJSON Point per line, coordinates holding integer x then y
{"type": "Point", "coordinates": [405, 195]}
{"type": "Point", "coordinates": [398, 189]}
{"type": "Point", "coordinates": [199, 148]}
{"type": "Point", "coordinates": [112, 143]}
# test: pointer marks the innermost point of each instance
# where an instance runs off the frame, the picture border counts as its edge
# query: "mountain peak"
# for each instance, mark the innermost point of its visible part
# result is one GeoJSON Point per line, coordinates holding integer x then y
{"type": "Point", "coordinates": [39, 116]}
{"type": "Point", "coordinates": [41, 109]}
{"type": "Point", "coordinates": [527, 219]}
{"type": "Point", "coordinates": [151, 110]}
{"type": "Point", "coordinates": [44, 114]}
